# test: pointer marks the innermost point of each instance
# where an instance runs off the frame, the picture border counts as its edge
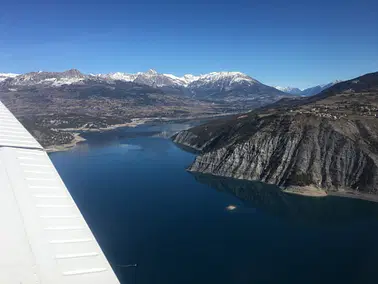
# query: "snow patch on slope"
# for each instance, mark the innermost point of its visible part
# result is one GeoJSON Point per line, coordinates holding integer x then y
{"type": "Point", "coordinates": [4, 76]}
{"type": "Point", "coordinates": [153, 78]}
{"type": "Point", "coordinates": [289, 90]}
{"type": "Point", "coordinates": [118, 76]}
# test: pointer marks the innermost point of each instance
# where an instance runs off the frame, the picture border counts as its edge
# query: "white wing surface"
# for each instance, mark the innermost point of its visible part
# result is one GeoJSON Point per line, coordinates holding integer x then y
{"type": "Point", "coordinates": [44, 238]}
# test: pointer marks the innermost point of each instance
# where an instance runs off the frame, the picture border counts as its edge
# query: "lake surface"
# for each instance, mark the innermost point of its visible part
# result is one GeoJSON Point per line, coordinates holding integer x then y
{"type": "Point", "coordinates": [144, 208]}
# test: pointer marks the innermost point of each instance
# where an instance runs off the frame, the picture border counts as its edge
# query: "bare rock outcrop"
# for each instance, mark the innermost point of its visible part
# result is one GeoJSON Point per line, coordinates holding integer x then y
{"type": "Point", "coordinates": [289, 150]}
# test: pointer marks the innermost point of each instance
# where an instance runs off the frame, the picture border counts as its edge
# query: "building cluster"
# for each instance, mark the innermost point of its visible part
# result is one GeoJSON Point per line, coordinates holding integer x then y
{"type": "Point", "coordinates": [337, 112]}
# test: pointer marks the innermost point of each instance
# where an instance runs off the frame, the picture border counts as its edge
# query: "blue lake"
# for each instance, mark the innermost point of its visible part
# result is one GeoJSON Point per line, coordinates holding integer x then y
{"type": "Point", "coordinates": [144, 207]}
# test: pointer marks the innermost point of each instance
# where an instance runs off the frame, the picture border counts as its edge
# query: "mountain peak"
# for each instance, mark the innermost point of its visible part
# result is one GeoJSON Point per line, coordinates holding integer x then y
{"type": "Point", "coordinates": [73, 73]}
{"type": "Point", "coordinates": [318, 89]}
{"type": "Point", "coordinates": [151, 72]}
{"type": "Point", "coordinates": [289, 90]}
{"type": "Point", "coordinates": [308, 91]}
{"type": "Point", "coordinates": [226, 78]}
{"type": "Point", "coordinates": [227, 74]}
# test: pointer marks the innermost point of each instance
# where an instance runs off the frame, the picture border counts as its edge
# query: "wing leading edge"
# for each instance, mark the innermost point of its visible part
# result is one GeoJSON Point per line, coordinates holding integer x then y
{"type": "Point", "coordinates": [44, 238]}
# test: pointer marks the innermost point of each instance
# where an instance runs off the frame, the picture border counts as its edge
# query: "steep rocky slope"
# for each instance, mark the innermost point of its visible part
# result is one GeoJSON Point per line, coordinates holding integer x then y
{"type": "Point", "coordinates": [311, 144]}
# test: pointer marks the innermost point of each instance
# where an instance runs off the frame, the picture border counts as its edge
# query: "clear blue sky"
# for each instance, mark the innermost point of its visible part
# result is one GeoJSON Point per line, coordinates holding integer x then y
{"type": "Point", "coordinates": [279, 42]}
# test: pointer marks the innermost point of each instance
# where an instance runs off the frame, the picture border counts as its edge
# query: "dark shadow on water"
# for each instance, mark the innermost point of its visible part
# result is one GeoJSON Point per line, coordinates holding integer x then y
{"type": "Point", "coordinates": [271, 200]}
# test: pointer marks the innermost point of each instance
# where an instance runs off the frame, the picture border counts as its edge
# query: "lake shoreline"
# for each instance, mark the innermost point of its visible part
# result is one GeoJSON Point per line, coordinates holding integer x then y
{"type": "Point", "coordinates": [140, 182]}
{"type": "Point", "coordinates": [307, 191]}
{"type": "Point", "coordinates": [134, 123]}
{"type": "Point", "coordinates": [310, 191]}
{"type": "Point", "coordinates": [65, 147]}
{"type": "Point", "coordinates": [316, 192]}
{"type": "Point", "coordinates": [78, 138]}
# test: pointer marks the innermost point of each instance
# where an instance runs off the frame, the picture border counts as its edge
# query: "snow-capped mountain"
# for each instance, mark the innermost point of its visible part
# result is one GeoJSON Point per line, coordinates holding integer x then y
{"type": "Point", "coordinates": [46, 78]}
{"type": "Point", "coordinates": [222, 80]}
{"type": "Point", "coordinates": [116, 76]}
{"type": "Point", "coordinates": [155, 79]}
{"type": "Point", "coordinates": [307, 92]}
{"type": "Point", "coordinates": [317, 89]}
{"type": "Point", "coordinates": [4, 76]}
{"type": "Point", "coordinates": [231, 86]}
{"type": "Point", "coordinates": [200, 86]}
{"type": "Point", "coordinates": [289, 90]}
{"type": "Point", "coordinates": [152, 78]}
{"type": "Point", "coordinates": [215, 86]}
{"type": "Point", "coordinates": [189, 78]}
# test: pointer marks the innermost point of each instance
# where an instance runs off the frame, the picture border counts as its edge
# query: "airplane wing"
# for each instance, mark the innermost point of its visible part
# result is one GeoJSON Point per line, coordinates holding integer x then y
{"type": "Point", "coordinates": [44, 238]}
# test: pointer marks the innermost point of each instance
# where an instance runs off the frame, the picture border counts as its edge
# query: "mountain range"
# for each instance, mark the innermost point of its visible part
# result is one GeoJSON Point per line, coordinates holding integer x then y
{"type": "Point", "coordinates": [50, 103]}
{"type": "Point", "coordinates": [213, 86]}
{"type": "Point", "coordinates": [307, 92]}
{"type": "Point", "coordinates": [54, 101]}
{"type": "Point", "coordinates": [4, 76]}
{"type": "Point", "coordinates": [228, 86]}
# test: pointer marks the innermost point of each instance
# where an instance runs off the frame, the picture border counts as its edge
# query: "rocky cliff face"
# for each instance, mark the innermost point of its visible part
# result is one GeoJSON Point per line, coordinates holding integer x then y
{"type": "Point", "coordinates": [328, 141]}
{"type": "Point", "coordinates": [289, 150]}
